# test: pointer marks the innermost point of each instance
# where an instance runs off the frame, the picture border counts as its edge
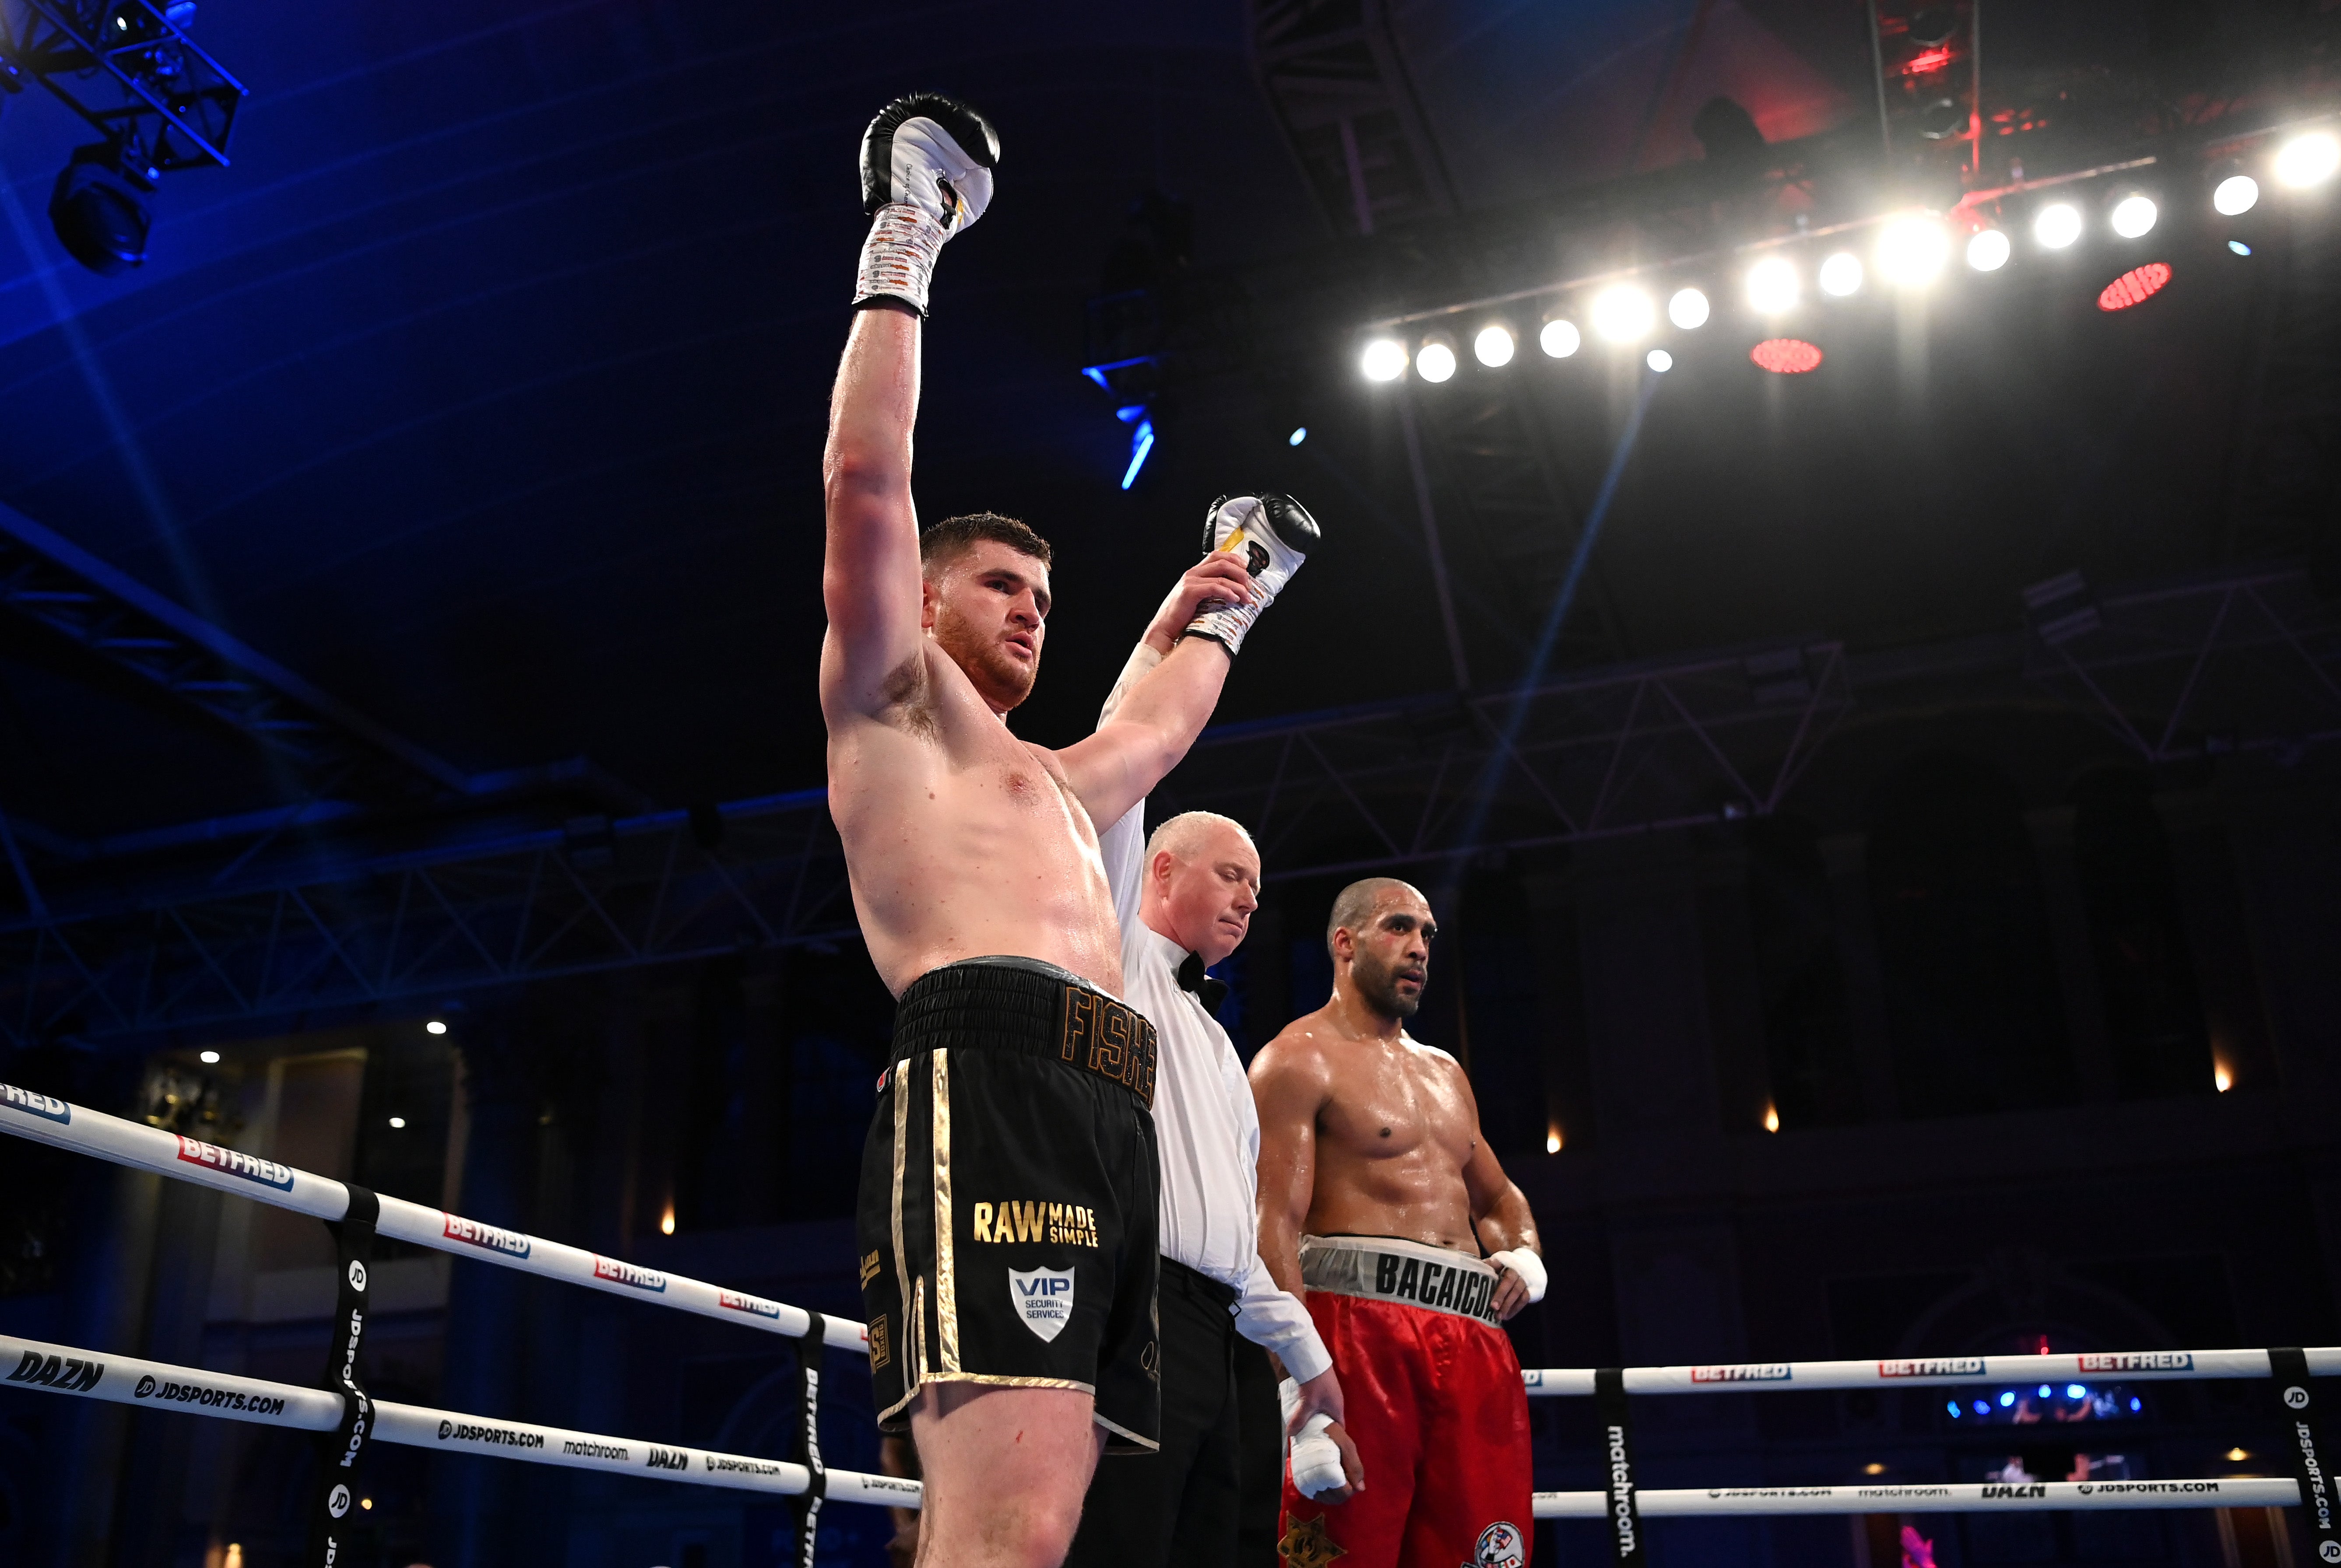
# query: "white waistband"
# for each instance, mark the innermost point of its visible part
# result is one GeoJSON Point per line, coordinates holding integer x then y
{"type": "Point", "coordinates": [1384, 1268]}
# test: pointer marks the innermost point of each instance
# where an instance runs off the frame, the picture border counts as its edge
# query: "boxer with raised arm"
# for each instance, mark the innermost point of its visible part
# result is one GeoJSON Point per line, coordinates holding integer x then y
{"type": "Point", "coordinates": [1006, 1219]}
{"type": "Point", "coordinates": [1381, 1206]}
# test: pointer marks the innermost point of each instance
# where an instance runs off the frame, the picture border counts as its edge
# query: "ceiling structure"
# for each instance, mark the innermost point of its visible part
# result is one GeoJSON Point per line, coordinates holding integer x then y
{"type": "Point", "coordinates": [482, 396]}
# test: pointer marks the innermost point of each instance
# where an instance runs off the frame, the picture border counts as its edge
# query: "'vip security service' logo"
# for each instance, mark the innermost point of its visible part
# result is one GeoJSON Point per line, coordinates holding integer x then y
{"type": "Point", "coordinates": [1044, 1297]}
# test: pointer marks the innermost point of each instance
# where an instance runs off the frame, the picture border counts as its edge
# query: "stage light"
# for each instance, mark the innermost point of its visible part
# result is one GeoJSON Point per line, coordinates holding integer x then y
{"type": "Point", "coordinates": [1841, 275]}
{"type": "Point", "coordinates": [1981, 1408]}
{"type": "Point", "coordinates": [1435, 360]}
{"type": "Point", "coordinates": [1142, 443]}
{"type": "Point", "coordinates": [1660, 360]}
{"type": "Point", "coordinates": [2234, 1456]}
{"type": "Point", "coordinates": [1494, 346]}
{"type": "Point", "coordinates": [2239, 247]}
{"type": "Point", "coordinates": [666, 1220]}
{"type": "Point", "coordinates": [1771, 1118]}
{"type": "Point", "coordinates": [434, 1027]}
{"type": "Point", "coordinates": [1772, 286]}
{"type": "Point", "coordinates": [2008, 1399]}
{"type": "Point", "coordinates": [1987, 250]}
{"type": "Point", "coordinates": [397, 1123]}
{"type": "Point", "coordinates": [2235, 195]}
{"type": "Point", "coordinates": [1383, 359]}
{"type": "Point", "coordinates": [2135, 1404]}
{"type": "Point", "coordinates": [1622, 312]}
{"type": "Point", "coordinates": [2045, 1391]}
{"type": "Point", "coordinates": [1552, 1141]}
{"type": "Point", "coordinates": [2057, 225]}
{"type": "Point", "coordinates": [2134, 286]}
{"type": "Point", "coordinates": [1688, 309]}
{"type": "Point", "coordinates": [2308, 160]}
{"type": "Point", "coordinates": [1785, 356]}
{"type": "Point", "coordinates": [2133, 217]}
{"type": "Point", "coordinates": [208, 1058]}
{"type": "Point", "coordinates": [1559, 338]}
{"type": "Point", "coordinates": [100, 209]}
{"type": "Point", "coordinates": [1300, 434]}
{"type": "Point", "coordinates": [1873, 1468]}
{"type": "Point", "coordinates": [1911, 252]}
{"type": "Point", "coordinates": [2074, 1390]}
{"type": "Point", "coordinates": [2221, 1079]}
{"type": "Point", "coordinates": [1954, 1410]}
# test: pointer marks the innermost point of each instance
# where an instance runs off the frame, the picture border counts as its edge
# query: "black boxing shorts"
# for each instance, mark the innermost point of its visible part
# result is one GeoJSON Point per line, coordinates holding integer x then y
{"type": "Point", "coordinates": [1006, 1222]}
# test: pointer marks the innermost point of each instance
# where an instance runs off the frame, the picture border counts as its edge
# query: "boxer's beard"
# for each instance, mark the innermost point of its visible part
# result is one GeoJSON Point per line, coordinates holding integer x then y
{"type": "Point", "coordinates": [1377, 984]}
{"type": "Point", "coordinates": [998, 679]}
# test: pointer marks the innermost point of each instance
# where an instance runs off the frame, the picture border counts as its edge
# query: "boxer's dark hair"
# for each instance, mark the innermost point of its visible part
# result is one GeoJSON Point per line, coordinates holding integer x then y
{"type": "Point", "coordinates": [950, 539]}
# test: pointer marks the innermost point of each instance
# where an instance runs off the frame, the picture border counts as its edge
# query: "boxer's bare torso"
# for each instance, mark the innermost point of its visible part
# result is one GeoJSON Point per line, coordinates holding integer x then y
{"type": "Point", "coordinates": [962, 841]}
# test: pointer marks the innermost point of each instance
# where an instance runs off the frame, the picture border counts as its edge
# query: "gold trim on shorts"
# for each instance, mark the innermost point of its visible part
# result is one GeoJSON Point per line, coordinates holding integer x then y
{"type": "Point", "coordinates": [946, 1277]}
{"type": "Point", "coordinates": [913, 1360]}
{"type": "Point", "coordinates": [1148, 1444]}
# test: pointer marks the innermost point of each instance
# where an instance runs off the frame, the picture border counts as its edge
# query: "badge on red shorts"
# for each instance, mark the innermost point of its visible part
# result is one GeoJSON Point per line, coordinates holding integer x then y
{"type": "Point", "coordinates": [1501, 1546]}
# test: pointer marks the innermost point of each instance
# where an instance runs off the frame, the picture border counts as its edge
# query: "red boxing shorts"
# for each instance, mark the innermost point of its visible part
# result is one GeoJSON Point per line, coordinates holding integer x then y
{"type": "Point", "coordinates": [1436, 1407]}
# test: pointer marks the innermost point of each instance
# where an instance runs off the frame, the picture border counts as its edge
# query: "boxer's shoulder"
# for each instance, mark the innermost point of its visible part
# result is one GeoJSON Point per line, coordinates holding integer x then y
{"type": "Point", "coordinates": [1299, 1056]}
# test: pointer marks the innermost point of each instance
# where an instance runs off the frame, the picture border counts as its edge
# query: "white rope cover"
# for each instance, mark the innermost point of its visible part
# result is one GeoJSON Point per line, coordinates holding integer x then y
{"type": "Point", "coordinates": [1772, 1377]}
{"type": "Point", "coordinates": [151, 1384]}
{"type": "Point", "coordinates": [1949, 1497]}
{"type": "Point", "coordinates": [65, 1125]}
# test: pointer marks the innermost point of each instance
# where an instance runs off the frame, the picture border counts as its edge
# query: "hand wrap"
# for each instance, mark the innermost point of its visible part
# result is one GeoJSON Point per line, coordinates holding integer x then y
{"type": "Point", "coordinates": [1316, 1458]}
{"type": "Point", "coordinates": [1527, 1265]}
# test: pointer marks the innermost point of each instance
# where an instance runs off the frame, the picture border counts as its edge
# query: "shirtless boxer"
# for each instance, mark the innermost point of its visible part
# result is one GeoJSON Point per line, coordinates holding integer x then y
{"type": "Point", "coordinates": [1006, 1219]}
{"type": "Point", "coordinates": [1377, 1197]}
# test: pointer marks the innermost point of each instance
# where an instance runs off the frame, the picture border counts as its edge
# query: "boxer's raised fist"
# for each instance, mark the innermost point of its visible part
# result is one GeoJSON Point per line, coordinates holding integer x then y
{"type": "Point", "coordinates": [1270, 536]}
{"type": "Point", "coordinates": [931, 152]}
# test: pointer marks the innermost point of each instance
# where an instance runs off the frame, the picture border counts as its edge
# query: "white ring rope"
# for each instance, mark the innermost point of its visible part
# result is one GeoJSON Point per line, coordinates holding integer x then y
{"type": "Point", "coordinates": [65, 1125]}
{"type": "Point", "coordinates": [61, 1369]}
{"type": "Point", "coordinates": [1787, 1376]}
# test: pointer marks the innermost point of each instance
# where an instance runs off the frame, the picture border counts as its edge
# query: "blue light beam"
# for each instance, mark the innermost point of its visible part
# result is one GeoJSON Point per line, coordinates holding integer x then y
{"type": "Point", "coordinates": [1141, 442]}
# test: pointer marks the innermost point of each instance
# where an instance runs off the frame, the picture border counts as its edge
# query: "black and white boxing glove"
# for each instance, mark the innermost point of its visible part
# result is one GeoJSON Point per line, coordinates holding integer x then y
{"type": "Point", "coordinates": [926, 174]}
{"type": "Point", "coordinates": [1271, 535]}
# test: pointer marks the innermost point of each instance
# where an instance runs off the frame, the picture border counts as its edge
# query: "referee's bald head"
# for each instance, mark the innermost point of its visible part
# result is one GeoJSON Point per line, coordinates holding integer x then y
{"type": "Point", "coordinates": [1185, 835]}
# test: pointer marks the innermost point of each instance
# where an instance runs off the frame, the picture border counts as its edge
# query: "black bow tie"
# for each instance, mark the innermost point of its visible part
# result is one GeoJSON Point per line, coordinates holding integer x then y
{"type": "Point", "coordinates": [1210, 992]}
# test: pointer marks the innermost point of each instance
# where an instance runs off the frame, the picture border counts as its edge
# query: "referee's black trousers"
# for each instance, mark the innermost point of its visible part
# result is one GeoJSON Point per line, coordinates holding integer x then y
{"type": "Point", "coordinates": [1180, 1506]}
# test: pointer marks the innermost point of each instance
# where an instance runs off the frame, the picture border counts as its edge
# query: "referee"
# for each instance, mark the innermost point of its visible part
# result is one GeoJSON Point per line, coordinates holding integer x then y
{"type": "Point", "coordinates": [1185, 903]}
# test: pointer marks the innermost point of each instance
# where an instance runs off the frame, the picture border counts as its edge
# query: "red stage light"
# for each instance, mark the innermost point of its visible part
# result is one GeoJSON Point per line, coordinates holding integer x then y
{"type": "Point", "coordinates": [1927, 60]}
{"type": "Point", "coordinates": [2134, 286]}
{"type": "Point", "coordinates": [1786, 356]}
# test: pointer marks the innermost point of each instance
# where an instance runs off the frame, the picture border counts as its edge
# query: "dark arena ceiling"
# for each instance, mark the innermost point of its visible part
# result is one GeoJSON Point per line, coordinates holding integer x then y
{"type": "Point", "coordinates": [485, 391]}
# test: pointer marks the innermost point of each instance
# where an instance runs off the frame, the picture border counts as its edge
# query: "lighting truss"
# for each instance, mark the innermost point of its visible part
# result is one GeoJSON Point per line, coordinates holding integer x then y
{"type": "Point", "coordinates": [1444, 778]}
{"type": "Point", "coordinates": [2249, 662]}
{"type": "Point", "coordinates": [177, 106]}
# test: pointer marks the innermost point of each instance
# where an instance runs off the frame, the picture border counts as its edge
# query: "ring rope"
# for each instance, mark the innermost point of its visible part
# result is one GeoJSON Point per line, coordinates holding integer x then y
{"type": "Point", "coordinates": [1790, 1376]}
{"type": "Point", "coordinates": [65, 1126]}
{"type": "Point", "coordinates": [125, 1380]}
{"type": "Point", "coordinates": [1948, 1497]}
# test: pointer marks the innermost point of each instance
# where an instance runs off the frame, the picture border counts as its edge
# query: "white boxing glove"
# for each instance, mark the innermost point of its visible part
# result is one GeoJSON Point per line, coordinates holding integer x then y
{"type": "Point", "coordinates": [1527, 1265]}
{"type": "Point", "coordinates": [1316, 1458]}
{"type": "Point", "coordinates": [926, 174]}
{"type": "Point", "coordinates": [1271, 535]}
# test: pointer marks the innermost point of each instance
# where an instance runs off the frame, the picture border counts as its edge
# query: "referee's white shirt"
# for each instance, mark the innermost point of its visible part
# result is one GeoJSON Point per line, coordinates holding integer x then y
{"type": "Point", "coordinates": [1204, 1123]}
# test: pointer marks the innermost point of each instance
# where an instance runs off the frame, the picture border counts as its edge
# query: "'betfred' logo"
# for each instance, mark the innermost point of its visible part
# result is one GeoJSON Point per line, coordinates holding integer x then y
{"type": "Point", "coordinates": [1946, 1366]}
{"type": "Point", "coordinates": [641, 1279]}
{"type": "Point", "coordinates": [2139, 1360]}
{"type": "Point", "coordinates": [1768, 1372]}
{"type": "Point", "coordinates": [731, 1301]}
{"type": "Point", "coordinates": [32, 1104]}
{"type": "Point", "coordinates": [473, 1233]}
{"type": "Point", "coordinates": [229, 1161]}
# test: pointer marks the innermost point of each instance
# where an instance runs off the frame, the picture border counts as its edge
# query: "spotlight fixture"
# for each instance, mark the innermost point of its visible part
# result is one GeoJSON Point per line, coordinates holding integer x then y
{"type": "Point", "coordinates": [1383, 359]}
{"type": "Point", "coordinates": [208, 1058]}
{"type": "Point", "coordinates": [2057, 225]}
{"type": "Point", "coordinates": [1300, 434]}
{"type": "Point", "coordinates": [1560, 337]}
{"type": "Point", "coordinates": [2235, 195]}
{"type": "Point", "coordinates": [1688, 309]}
{"type": "Point", "coordinates": [1494, 346]}
{"type": "Point", "coordinates": [398, 1123]}
{"type": "Point", "coordinates": [434, 1027]}
{"type": "Point", "coordinates": [1660, 360]}
{"type": "Point", "coordinates": [101, 209]}
{"type": "Point", "coordinates": [1622, 312]}
{"type": "Point", "coordinates": [1785, 356]}
{"type": "Point", "coordinates": [1911, 252]}
{"type": "Point", "coordinates": [1987, 250]}
{"type": "Point", "coordinates": [2134, 286]}
{"type": "Point", "coordinates": [2239, 247]}
{"type": "Point", "coordinates": [1435, 360]}
{"type": "Point", "coordinates": [2133, 217]}
{"type": "Point", "coordinates": [1772, 286]}
{"type": "Point", "coordinates": [1841, 275]}
{"type": "Point", "coordinates": [2309, 159]}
